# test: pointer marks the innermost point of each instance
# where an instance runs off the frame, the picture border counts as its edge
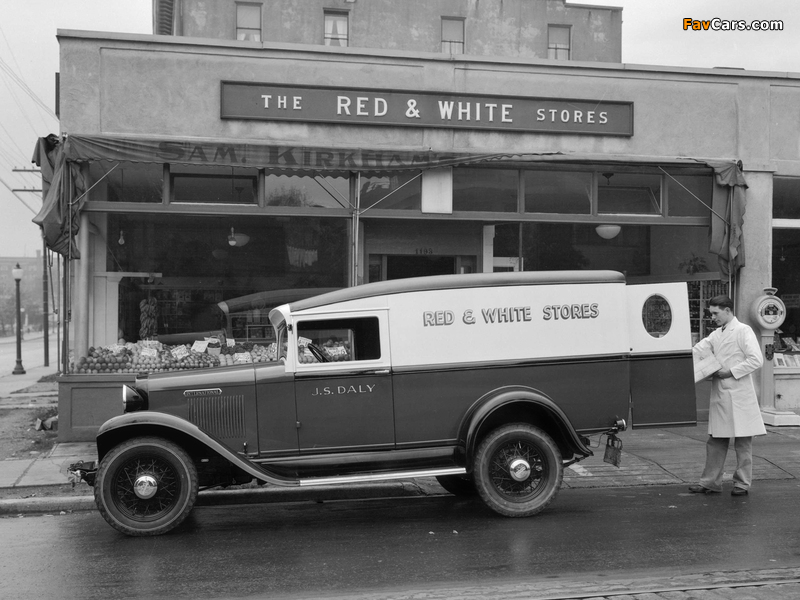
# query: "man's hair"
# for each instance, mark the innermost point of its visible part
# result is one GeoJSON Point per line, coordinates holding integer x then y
{"type": "Point", "coordinates": [721, 301]}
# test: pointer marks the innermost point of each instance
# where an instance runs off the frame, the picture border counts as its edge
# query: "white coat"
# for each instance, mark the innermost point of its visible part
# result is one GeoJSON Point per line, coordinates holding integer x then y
{"type": "Point", "coordinates": [734, 410]}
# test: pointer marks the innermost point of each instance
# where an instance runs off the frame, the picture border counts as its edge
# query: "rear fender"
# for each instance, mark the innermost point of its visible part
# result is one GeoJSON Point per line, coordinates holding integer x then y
{"type": "Point", "coordinates": [514, 404]}
{"type": "Point", "coordinates": [193, 439]}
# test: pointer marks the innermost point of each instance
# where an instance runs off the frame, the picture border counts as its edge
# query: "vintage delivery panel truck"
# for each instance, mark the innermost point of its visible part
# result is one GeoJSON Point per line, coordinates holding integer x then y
{"type": "Point", "coordinates": [488, 382]}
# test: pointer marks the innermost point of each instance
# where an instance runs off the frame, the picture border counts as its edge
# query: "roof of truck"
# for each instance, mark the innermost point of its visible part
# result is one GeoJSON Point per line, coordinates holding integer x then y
{"type": "Point", "coordinates": [452, 282]}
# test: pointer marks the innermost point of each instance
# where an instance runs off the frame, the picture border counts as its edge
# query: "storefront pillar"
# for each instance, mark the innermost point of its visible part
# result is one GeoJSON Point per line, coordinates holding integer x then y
{"type": "Point", "coordinates": [81, 302]}
{"type": "Point", "coordinates": [757, 273]}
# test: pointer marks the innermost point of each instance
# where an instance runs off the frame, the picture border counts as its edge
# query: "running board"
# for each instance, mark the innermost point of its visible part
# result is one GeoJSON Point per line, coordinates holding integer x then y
{"type": "Point", "coordinates": [381, 476]}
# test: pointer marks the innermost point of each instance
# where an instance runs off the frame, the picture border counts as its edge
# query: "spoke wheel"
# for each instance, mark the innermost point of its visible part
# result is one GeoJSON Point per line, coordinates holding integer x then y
{"type": "Point", "coordinates": [518, 470]}
{"type": "Point", "coordinates": [146, 486]}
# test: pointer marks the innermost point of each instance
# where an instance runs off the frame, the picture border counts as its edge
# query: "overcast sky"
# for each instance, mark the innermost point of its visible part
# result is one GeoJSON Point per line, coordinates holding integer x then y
{"type": "Point", "coordinates": [652, 33]}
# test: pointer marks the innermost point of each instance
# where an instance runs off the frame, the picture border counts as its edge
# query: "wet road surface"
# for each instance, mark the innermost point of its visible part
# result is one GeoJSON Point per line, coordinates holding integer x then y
{"type": "Point", "coordinates": [435, 547]}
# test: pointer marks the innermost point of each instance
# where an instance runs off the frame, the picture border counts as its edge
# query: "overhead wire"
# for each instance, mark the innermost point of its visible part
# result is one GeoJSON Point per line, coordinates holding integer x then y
{"type": "Point", "coordinates": [16, 195]}
{"type": "Point", "coordinates": [11, 155]}
{"type": "Point", "coordinates": [24, 86]}
{"type": "Point", "coordinates": [19, 70]}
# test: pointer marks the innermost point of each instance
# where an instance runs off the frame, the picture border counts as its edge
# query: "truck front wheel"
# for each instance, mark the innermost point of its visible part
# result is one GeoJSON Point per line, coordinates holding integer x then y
{"type": "Point", "coordinates": [146, 486]}
{"type": "Point", "coordinates": [518, 470]}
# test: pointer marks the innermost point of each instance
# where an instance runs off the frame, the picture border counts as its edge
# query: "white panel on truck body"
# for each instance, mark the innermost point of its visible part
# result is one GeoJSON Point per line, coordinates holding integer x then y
{"type": "Point", "coordinates": [667, 316]}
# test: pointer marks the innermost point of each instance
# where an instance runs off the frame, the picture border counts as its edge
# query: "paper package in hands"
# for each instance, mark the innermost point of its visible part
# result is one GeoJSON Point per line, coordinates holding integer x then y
{"type": "Point", "coordinates": [705, 366]}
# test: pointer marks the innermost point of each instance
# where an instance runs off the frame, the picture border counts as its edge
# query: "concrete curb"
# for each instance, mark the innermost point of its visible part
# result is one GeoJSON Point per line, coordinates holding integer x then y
{"type": "Point", "coordinates": [263, 495]}
{"type": "Point", "coordinates": [55, 504]}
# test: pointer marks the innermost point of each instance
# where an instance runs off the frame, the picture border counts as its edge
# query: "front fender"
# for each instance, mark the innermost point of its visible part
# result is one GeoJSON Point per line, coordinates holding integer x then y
{"type": "Point", "coordinates": [181, 431]}
{"type": "Point", "coordinates": [489, 404]}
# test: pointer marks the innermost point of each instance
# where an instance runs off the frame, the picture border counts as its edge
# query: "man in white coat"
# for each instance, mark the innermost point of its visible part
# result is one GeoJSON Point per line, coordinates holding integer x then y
{"type": "Point", "coordinates": [733, 411]}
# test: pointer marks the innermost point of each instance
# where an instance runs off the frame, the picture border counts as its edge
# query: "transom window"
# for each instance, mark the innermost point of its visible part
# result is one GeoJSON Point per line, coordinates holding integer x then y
{"type": "Point", "coordinates": [126, 182]}
{"type": "Point", "coordinates": [629, 193]}
{"type": "Point", "coordinates": [452, 35]}
{"type": "Point", "coordinates": [558, 46]}
{"type": "Point", "coordinates": [336, 28]}
{"type": "Point", "coordinates": [594, 191]}
{"type": "Point", "coordinates": [248, 22]}
{"type": "Point", "coordinates": [215, 185]}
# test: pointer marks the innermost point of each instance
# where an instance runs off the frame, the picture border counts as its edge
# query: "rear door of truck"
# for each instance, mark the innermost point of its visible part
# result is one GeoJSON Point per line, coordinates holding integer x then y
{"type": "Point", "coordinates": [662, 372]}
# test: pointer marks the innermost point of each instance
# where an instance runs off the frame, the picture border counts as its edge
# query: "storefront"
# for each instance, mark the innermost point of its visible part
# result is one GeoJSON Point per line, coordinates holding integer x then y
{"type": "Point", "coordinates": [206, 171]}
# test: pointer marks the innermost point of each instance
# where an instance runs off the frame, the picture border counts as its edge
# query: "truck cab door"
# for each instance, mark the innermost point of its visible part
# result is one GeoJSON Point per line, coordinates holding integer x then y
{"type": "Point", "coordinates": [344, 401]}
{"type": "Point", "coordinates": [661, 367]}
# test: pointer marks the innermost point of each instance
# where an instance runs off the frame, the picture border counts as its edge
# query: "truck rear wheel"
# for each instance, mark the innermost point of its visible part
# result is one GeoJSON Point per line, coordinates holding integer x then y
{"type": "Point", "coordinates": [518, 470]}
{"type": "Point", "coordinates": [146, 486]}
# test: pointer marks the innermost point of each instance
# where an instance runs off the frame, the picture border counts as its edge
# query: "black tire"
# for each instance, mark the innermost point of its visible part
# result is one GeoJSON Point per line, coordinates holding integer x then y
{"type": "Point", "coordinates": [458, 485]}
{"type": "Point", "coordinates": [153, 510]}
{"type": "Point", "coordinates": [538, 474]}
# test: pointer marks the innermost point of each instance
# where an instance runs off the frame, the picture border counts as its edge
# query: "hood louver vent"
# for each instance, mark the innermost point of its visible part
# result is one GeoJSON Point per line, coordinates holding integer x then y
{"type": "Point", "coordinates": [222, 416]}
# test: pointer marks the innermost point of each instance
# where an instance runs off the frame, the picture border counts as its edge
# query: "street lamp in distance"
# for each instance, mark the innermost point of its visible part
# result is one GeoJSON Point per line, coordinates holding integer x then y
{"type": "Point", "coordinates": [16, 272]}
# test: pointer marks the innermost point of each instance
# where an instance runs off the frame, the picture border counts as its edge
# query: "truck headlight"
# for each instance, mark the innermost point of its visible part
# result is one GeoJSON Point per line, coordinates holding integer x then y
{"type": "Point", "coordinates": [132, 400]}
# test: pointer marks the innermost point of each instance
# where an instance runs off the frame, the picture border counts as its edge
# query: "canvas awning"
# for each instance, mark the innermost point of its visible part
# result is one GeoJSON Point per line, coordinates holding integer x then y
{"type": "Point", "coordinates": [59, 217]}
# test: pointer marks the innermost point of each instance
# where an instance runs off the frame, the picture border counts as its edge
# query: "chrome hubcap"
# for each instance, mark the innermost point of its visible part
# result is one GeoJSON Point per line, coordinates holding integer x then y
{"type": "Point", "coordinates": [145, 487]}
{"type": "Point", "coordinates": [519, 469]}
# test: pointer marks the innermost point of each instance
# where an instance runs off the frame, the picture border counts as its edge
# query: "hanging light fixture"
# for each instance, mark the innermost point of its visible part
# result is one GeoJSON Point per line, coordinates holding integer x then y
{"type": "Point", "coordinates": [608, 232]}
{"type": "Point", "coordinates": [238, 239]}
{"type": "Point", "coordinates": [121, 240]}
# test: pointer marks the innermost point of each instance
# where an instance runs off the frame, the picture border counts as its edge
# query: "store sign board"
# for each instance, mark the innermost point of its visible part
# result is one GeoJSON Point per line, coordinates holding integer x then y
{"type": "Point", "coordinates": [272, 102]}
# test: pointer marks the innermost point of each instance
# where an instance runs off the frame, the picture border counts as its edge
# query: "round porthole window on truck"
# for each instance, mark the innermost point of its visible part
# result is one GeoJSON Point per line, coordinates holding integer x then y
{"type": "Point", "coordinates": [657, 316]}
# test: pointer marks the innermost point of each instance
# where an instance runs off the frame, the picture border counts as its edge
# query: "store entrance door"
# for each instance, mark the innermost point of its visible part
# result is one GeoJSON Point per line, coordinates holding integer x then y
{"type": "Point", "coordinates": [403, 266]}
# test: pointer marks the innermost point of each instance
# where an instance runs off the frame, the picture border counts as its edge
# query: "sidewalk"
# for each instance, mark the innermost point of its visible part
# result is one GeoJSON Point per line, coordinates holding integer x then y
{"type": "Point", "coordinates": [9, 384]}
{"type": "Point", "coordinates": [649, 457]}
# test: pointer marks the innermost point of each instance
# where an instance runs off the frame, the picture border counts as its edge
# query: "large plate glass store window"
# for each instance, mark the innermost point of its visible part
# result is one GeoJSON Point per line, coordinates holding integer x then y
{"type": "Point", "coordinates": [786, 264]}
{"type": "Point", "coordinates": [667, 252]}
{"type": "Point", "coordinates": [199, 267]}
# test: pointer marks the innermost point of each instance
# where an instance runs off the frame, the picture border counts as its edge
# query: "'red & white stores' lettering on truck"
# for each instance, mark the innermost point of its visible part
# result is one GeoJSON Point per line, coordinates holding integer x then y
{"type": "Point", "coordinates": [490, 382]}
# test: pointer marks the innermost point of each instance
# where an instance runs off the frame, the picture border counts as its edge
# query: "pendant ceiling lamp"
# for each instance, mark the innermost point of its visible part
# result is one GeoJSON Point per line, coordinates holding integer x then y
{"type": "Point", "coordinates": [608, 232]}
{"type": "Point", "coordinates": [238, 239]}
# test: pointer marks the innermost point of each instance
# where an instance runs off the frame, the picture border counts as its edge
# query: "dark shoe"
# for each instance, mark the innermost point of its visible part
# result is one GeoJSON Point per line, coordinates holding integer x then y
{"type": "Point", "coordinates": [699, 489]}
{"type": "Point", "coordinates": [739, 492]}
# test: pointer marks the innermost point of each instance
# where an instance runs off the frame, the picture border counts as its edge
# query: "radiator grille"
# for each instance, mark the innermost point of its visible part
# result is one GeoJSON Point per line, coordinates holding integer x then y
{"type": "Point", "coordinates": [221, 415]}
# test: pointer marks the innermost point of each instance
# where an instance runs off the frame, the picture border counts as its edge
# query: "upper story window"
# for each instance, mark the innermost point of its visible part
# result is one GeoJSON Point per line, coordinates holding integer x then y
{"type": "Point", "coordinates": [248, 22]}
{"type": "Point", "coordinates": [452, 35]}
{"type": "Point", "coordinates": [336, 28]}
{"type": "Point", "coordinates": [558, 38]}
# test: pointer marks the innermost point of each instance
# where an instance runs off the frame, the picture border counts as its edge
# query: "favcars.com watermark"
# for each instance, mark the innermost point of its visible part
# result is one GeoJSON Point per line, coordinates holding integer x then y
{"type": "Point", "coordinates": [727, 25]}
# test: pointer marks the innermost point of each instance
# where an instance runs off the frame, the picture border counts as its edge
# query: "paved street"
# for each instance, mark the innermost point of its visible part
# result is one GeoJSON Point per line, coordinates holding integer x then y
{"type": "Point", "coordinates": [590, 543]}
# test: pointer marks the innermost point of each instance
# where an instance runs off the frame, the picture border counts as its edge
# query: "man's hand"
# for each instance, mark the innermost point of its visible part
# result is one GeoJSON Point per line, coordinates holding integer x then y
{"type": "Point", "coordinates": [723, 373]}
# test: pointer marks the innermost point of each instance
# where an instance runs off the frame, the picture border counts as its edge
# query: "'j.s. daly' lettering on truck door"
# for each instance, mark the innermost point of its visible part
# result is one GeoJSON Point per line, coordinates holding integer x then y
{"type": "Point", "coordinates": [338, 390]}
{"type": "Point", "coordinates": [511, 314]}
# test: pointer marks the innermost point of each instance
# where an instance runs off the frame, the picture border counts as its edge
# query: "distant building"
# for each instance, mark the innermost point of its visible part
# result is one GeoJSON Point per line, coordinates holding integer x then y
{"type": "Point", "coordinates": [508, 28]}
